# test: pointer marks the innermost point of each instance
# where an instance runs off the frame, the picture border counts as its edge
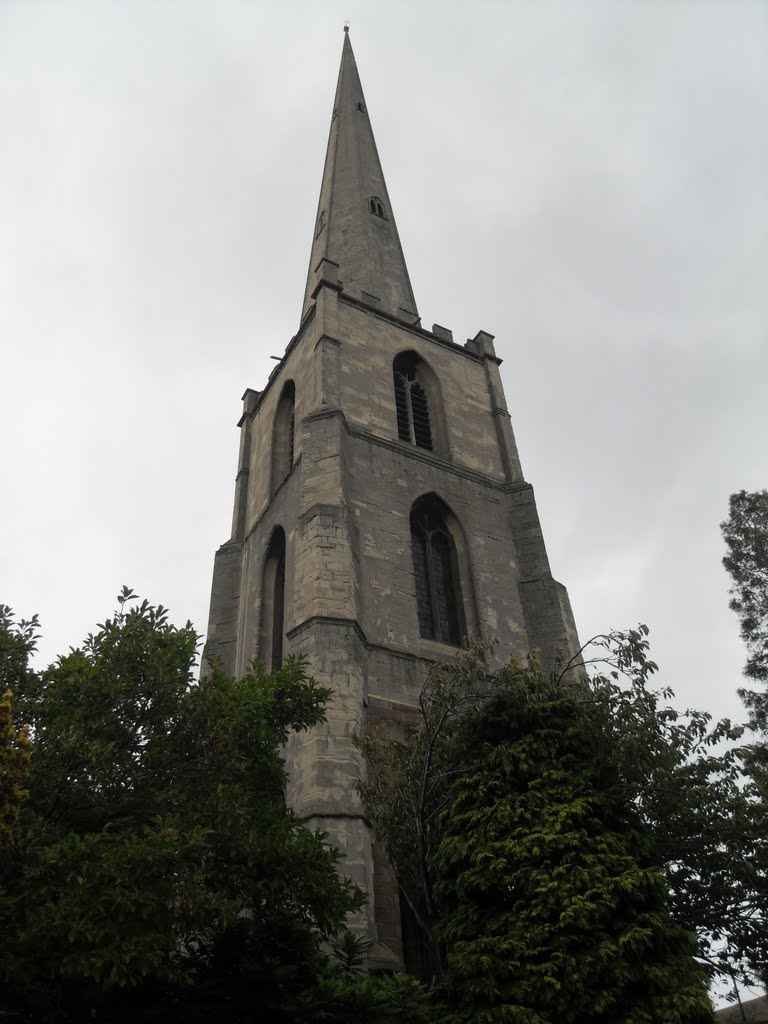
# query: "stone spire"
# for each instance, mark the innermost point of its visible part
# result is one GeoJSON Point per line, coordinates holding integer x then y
{"type": "Point", "coordinates": [355, 227]}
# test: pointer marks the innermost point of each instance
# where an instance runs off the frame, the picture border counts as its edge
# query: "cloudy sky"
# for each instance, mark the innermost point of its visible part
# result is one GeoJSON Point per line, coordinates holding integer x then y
{"type": "Point", "coordinates": [586, 180]}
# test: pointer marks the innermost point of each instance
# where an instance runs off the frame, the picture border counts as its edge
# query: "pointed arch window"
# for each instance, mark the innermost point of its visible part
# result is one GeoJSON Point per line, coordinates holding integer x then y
{"type": "Point", "coordinates": [436, 572]}
{"type": "Point", "coordinates": [283, 435]}
{"type": "Point", "coordinates": [273, 602]}
{"type": "Point", "coordinates": [414, 424]}
{"type": "Point", "coordinates": [376, 206]}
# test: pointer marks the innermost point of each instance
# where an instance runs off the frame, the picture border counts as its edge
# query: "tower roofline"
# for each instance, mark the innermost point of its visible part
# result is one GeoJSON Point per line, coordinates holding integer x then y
{"type": "Point", "coordinates": [478, 348]}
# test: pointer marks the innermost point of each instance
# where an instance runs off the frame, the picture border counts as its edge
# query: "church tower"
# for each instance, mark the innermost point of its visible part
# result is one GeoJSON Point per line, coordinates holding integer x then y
{"type": "Point", "coordinates": [381, 515]}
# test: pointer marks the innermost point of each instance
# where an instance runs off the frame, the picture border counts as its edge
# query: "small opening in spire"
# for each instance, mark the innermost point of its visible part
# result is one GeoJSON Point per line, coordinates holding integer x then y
{"type": "Point", "coordinates": [361, 108]}
{"type": "Point", "coordinates": [376, 206]}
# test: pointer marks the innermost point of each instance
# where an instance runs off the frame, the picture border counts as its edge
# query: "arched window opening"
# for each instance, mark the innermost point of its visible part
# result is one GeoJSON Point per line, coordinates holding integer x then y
{"type": "Point", "coordinates": [278, 615]}
{"type": "Point", "coordinates": [376, 206]}
{"type": "Point", "coordinates": [273, 603]}
{"type": "Point", "coordinates": [361, 108]}
{"type": "Point", "coordinates": [411, 402]}
{"type": "Point", "coordinates": [436, 571]}
{"type": "Point", "coordinates": [283, 436]}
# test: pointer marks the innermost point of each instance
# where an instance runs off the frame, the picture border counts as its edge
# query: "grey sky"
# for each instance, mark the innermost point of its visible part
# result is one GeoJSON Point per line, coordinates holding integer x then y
{"type": "Point", "coordinates": [585, 180]}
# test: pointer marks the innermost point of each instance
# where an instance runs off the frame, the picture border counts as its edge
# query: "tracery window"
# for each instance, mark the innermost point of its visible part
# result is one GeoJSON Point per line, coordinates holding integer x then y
{"type": "Point", "coordinates": [283, 435]}
{"type": "Point", "coordinates": [411, 402]}
{"type": "Point", "coordinates": [435, 567]}
{"type": "Point", "coordinates": [273, 602]}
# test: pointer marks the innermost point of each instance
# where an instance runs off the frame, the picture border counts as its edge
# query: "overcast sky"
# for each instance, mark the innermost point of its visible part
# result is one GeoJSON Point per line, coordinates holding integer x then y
{"type": "Point", "coordinates": [585, 180]}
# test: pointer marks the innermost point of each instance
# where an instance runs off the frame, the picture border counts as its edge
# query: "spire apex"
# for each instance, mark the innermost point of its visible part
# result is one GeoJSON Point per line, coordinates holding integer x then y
{"type": "Point", "coordinates": [355, 227]}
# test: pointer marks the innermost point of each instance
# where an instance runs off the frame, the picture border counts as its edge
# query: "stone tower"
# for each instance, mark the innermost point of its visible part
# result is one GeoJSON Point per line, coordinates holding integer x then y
{"type": "Point", "coordinates": [381, 514]}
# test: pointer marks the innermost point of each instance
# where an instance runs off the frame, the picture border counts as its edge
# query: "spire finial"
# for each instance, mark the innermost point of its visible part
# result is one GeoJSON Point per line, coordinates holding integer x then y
{"type": "Point", "coordinates": [346, 26]}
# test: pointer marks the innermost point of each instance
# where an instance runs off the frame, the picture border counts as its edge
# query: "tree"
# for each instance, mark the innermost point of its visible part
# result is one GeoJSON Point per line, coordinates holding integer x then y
{"type": "Point", "coordinates": [14, 769]}
{"type": "Point", "coordinates": [746, 535]}
{"type": "Point", "coordinates": [552, 906]}
{"type": "Point", "coordinates": [154, 869]}
{"type": "Point", "coordinates": [18, 641]}
{"type": "Point", "coordinates": [568, 844]}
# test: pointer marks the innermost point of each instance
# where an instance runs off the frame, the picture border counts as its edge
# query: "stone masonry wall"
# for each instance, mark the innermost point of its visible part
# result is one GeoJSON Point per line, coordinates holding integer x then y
{"type": "Point", "coordinates": [350, 589]}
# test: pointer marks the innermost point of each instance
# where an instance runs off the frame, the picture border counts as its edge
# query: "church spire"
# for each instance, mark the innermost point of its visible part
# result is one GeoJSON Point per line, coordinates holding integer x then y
{"type": "Point", "coordinates": [355, 226]}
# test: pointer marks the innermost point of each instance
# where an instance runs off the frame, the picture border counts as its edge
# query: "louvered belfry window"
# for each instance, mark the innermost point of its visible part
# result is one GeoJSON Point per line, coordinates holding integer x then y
{"type": "Point", "coordinates": [435, 568]}
{"type": "Point", "coordinates": [411, 403]}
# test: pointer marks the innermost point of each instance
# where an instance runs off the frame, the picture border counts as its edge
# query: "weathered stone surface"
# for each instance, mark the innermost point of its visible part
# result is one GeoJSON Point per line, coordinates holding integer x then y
{"type": "Point", "coordinates": [350, 589]}
{"type": "Point", "coordinates": [350, 597]}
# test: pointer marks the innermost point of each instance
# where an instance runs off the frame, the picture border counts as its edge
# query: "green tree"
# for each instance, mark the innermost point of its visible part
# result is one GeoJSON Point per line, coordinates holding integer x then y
{"type": "Point", "coordinates": [552, 908]}
{"type": "Point", "coordinates": [18, 641]}
{"type": "Point", "coordinates": [746, 535]}
{"type": "Point", "coordinates": [154, 868]}
{"type": "Point", "coordinates": [525, 813]}
{"type": "Point", "coordinates": [14, 769]}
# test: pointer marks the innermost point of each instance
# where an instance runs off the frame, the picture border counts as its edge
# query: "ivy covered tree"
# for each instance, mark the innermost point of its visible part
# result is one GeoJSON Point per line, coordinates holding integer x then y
{"type": "Point", "coordinates": [573, 848]}
{"type": "Point", "coordinates": [154, 871]}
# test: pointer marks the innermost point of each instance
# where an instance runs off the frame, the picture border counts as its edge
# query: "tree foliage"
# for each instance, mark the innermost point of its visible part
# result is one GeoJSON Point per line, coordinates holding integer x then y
{"type": "Point", "coordinates": [568, 844]}
{"type": "Point", "coordinates": [746, 535]}
{"type": "Point", "coordinates": [154, 869]}
{"type": "Point", "coordinates": [552, 902]}
{"type": "Point", "coordinates": [14, 768]}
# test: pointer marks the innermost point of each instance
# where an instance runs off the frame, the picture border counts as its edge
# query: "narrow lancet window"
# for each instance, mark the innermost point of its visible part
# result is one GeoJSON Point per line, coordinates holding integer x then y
{"type": "Point", "coordinates": [273, 603]}
{"type": "Point", "coordinates": [283, 435]}
{"type": "Point", "coordinates": [278, 614]}
{"type": "Point", "coordinates": [376, 206]}
{"type": "Point", "coordinates": [435, 567]}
